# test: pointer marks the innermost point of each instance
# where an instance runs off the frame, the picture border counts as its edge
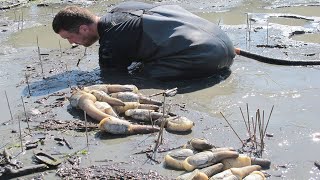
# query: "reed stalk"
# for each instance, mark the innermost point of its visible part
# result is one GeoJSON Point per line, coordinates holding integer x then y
{"type": "Point", "coordinates": [27, 81]}
{"type": "Point", "coordinates": [232, 129]}
{"type": "Point", "coordinates": [85, 124]}
{"type": "Point", "coordinates": [20, 133]}
{"type": "Point", "coordinates": [25, 113]}
{"type": "Point", "coordinates": [5, 92]}
{"type": "Point", "coordinates": [39, 54]}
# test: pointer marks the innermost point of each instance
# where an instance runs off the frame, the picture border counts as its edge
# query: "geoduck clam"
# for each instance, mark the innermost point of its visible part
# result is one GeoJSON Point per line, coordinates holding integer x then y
{"type": "Point", "coordinates": [203, 173]}
{"type": "Point", "coordinates": [175, 158]}
{"type": "Point", "coordinates": [112, 88]}
{"type": "Point", "coordinates": [238, 173]}
{"type": "Point", "coordinates": [115, 125]}
{"type": "Point", "coordinates": [134, 105]}
{"type": "Point", "coordinates": [145, 115]}
{"type": "Point", "coordinates": [86, 102]}
{"type": "Point", "coordinates": [133, 97]}
{"type": "Point", "coordinates": [104, 97]}
{"type": "Point", "coordinates": [207, 158]}
{"type": "Point", "coordinates": [255, 175]}
{"type": "Point", "coordinates": [199, 144]}
{"type": "Point", "coordinates": [173, 124]}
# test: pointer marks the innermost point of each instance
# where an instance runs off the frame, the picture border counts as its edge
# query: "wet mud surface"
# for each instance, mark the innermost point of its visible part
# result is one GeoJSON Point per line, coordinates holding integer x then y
{"type": "Point", "coordinates": [37, 86]}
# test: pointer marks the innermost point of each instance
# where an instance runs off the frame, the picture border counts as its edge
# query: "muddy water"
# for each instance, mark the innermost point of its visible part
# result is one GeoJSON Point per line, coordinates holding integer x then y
{"type": "Point", "coordinates": [294, 91]}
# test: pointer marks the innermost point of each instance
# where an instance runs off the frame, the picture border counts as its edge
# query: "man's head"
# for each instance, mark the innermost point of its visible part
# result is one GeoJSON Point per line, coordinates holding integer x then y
{"type": "Point", "coordinates": [77, 25]}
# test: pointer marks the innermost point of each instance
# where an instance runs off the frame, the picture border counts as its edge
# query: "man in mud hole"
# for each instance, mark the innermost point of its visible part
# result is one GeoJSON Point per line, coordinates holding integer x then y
{"type": "Point", "coordinates": [168, 41]}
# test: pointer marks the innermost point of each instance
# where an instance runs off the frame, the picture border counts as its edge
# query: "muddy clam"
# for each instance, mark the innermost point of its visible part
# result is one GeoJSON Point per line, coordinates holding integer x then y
{"type": "Point", "coordinates": [217, 163]}
{"type": "Point", "coordinates": [96, 101]}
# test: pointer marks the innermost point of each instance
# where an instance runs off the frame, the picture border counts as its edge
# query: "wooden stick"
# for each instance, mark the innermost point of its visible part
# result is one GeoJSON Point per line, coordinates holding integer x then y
{"type": "Point", "coordinates": [5, 92]}
{"type": "Point", "coordinates": [21, 20]}
{"type": "Point", "coordinates": [15, 16]}
{"type": "Point", "coordinates": [20, 134]}
{"type": "Point", "coordinates": [265, 130]}
{"type": "Point", "coordinates": [27, 81]}
{"type": "Point", "coordinates": [166, 92]}
{"type": "Point", "coordinates": [232, 129]}
{"type": "Point", "coordinates": [19, 23]}
{"type": "Point", "coordinates": [248, 116]}
{"type": "Point", "coordinates": [160, 134]}
{"type": "Point", "coordinates": [39, 54]}
{"type": "Point", "coordinates": [60, 48]}
{"type": "Point", "coordinates": [25, 113]}
{"type": "Point", "coordinates": [244, 121]}
{"type": "Point", "coordinates": [85, 123]}
{"type": "Point", "coordinates": [267, 31]}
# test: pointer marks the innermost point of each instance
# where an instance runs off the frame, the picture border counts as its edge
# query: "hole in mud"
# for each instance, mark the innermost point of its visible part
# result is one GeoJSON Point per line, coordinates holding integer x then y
{"type": "Point", "coordinates": [308, 37]}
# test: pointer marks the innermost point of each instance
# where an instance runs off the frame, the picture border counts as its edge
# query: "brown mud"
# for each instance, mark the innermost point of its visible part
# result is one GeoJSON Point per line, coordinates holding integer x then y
{"type": "Point", "coordinates": [44, 84]}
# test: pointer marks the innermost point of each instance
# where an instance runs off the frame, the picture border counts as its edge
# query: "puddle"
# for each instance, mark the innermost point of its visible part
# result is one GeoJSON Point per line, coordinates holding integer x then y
{"type": "Point", "coordinates": [288, 21]}
{"type": "Point", "coordinates": [37, 36]}
{"type": "Point", "coordinates": [309, 38]}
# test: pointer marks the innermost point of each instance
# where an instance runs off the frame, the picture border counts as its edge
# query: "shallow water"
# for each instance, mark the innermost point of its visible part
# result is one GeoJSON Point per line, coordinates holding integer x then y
{"type": "Point", "coordinates": [294, 91]}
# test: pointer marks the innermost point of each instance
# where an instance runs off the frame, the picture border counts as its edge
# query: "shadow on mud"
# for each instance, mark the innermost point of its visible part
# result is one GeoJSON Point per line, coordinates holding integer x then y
{"type": "Point", "coordinates": [73, 78]}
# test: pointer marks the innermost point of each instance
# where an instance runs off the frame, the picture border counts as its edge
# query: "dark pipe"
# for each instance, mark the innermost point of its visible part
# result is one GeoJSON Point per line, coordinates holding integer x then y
{"type": "Point", "coordinates": [275, 61]}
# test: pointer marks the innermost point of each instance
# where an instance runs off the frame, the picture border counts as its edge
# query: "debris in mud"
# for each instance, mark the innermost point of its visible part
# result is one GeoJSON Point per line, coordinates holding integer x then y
{"type": "Point", "coordinates": [296, 33]}
{"type": "Point", "coordinates": [108, 171]}
{"type": "Point", "coordinates": [66, 125]}
{"type": "Point", "coordinates": [272, 46]}
{"type": "Point", "coordinates": [10, 168]}
{"type": "Point", "coordinates": [4, 5]}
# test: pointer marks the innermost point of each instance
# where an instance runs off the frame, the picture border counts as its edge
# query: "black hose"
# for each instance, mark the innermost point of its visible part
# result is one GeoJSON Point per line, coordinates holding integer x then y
{"type": "Point", "coordinates": [276, 61]}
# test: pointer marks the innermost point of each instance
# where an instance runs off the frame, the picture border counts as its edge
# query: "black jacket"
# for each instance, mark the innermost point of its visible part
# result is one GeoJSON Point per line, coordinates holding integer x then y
{"type": "Point", "coordinates": [168, 39]}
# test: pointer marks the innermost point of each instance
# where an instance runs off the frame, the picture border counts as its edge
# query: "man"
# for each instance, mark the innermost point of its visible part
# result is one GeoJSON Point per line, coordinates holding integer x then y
{"type": "Point", "coordinates": [169, 41]}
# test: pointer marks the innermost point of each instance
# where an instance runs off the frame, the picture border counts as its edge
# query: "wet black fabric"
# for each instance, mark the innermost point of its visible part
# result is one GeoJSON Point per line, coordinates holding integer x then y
{"type": "Point", "coordinates": [171, 42]}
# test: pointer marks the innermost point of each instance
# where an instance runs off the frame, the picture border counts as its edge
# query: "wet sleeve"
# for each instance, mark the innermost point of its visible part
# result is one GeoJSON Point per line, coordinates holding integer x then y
{"type": "Point", "coordinates": [105, 56]}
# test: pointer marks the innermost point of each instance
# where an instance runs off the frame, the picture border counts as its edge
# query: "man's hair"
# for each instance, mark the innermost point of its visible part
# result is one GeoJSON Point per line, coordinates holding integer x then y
{"type": "Point", "coordinates": [71, 18]}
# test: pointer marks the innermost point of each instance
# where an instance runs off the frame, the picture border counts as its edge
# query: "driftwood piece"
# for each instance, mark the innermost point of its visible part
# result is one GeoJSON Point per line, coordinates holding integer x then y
{"type": "Point", "coordinates": [10, 6]}
{"type": "Point", "coordinates": [11, 173]}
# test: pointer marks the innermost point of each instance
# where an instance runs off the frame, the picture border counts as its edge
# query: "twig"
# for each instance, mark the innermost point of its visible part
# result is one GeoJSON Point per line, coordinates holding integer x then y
{"type": "Point", "coordinates": [159, 151]}
{"type": "Point", "coordinates": [20, 134]}
{"type": "Point", "coordinates": [248, 116]}
{"type": "Point", "coordinates": [85, 123]}
{"type": "Point", "coordinates": [39, 54]}
{"type": "Point", "coordinates": [232, 129]}
{"type": "Point", "coordinates": [152, 159]}
{"type": "Point", "coordinates": [15, 16]}
{"type": "Point", "coordinates": [167, 92]}
{"type": "Point", "coordinates": [21, 20]}
{"type": "Point", "coordinates": [265, 130]}
{"type": "Point", "coordinates": [25, 113]}
{"type": "Point", "coordinates": [5, 92]}
{"type": "Point", "coordinates": [69, 82]}
{"type": "Point", "coordinates": [67, 143]}
{"type": "Point", "coordinates": [247, 30]}
{"type": "Point", "coordinates": [27, 81]}
{"type": "Point", "coordinates": [60, 48]}
{"type": "Point", "coordinates": [244, 121]}
{"type": "Point", "coordinates": [85, 53]}
{"type": "Point", "coordinates": [267, 31]}
{"type": "Point", "coordinates": [160, 134]}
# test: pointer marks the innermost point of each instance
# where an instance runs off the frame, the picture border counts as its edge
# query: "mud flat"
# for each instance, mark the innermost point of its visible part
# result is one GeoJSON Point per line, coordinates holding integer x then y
{"type": "Point", "coordinates": [44, 85]}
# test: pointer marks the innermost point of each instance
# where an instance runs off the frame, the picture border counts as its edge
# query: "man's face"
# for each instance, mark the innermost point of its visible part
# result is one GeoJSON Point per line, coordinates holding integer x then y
{"type": "Point", "coordinates": [83, 37]}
